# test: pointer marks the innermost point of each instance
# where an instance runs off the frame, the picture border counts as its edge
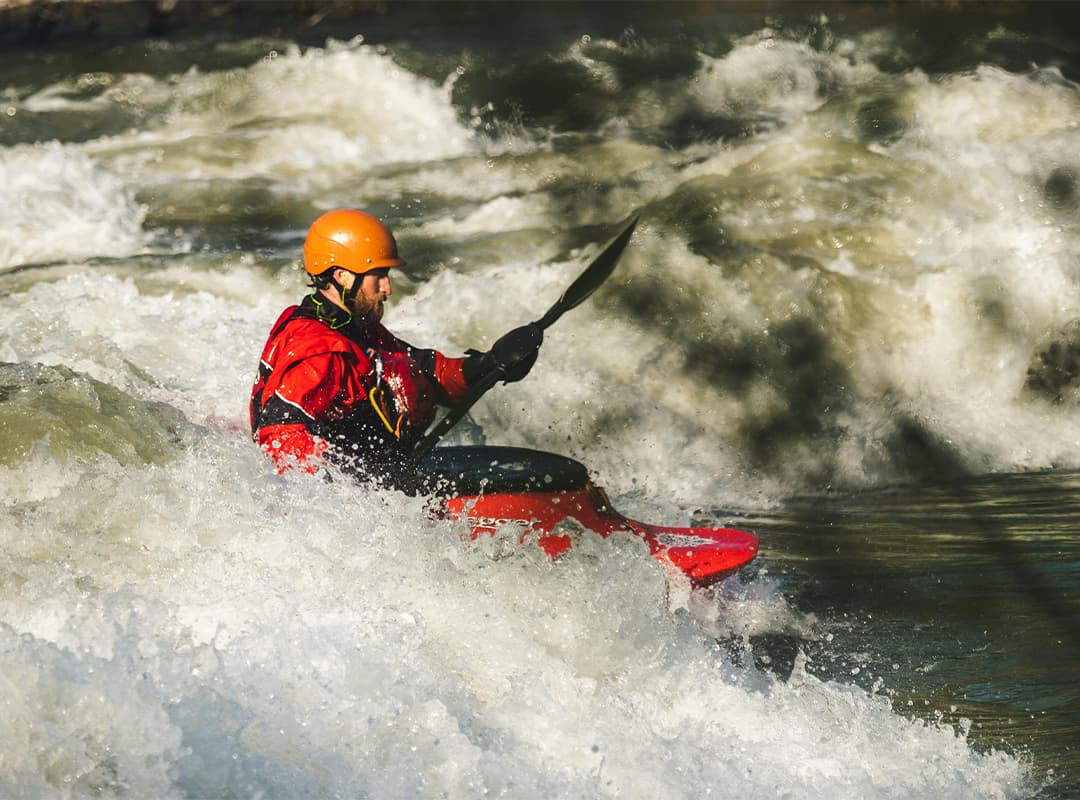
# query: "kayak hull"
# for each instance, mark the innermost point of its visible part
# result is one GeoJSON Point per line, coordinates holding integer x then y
{"type": "Point", "coordinates": [538, 492]}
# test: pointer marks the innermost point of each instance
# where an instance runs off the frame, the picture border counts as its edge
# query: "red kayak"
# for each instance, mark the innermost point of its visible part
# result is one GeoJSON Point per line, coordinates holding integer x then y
{"type": "Point", "coordinates": [496, 486]}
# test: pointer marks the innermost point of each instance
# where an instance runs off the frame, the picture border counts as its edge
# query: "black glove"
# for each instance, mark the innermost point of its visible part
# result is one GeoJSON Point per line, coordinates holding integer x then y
{"type": "Point", "coordinates": [512, 356]}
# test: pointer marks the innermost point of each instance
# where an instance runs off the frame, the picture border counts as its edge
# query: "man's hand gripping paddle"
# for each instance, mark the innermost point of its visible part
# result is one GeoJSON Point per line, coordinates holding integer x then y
{"type": "Point", "coordinates": [588, 282]}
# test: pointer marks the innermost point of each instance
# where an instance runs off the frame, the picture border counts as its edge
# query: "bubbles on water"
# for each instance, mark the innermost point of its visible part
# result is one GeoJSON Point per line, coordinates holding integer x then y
{"type": "Point", "coordinates": [80, 725]}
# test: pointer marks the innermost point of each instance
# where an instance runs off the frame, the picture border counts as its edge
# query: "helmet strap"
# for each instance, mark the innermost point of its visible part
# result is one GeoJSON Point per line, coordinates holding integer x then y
{"type": "Point", "coordinates": [347, 296]}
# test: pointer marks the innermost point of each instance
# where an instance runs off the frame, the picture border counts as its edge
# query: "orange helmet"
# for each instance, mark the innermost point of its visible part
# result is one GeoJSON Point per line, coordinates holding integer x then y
{"type": "Point", "coordinates": [349, 239]}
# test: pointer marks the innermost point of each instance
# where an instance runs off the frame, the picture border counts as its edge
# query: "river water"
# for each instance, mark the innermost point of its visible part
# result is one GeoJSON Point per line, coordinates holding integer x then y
{"type": "Point", "coordinates": [849, 321]}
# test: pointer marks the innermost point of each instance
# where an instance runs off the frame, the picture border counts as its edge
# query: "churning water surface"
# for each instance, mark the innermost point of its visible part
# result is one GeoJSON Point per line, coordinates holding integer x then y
{"type": "Point", "coordinates": [849, 321]}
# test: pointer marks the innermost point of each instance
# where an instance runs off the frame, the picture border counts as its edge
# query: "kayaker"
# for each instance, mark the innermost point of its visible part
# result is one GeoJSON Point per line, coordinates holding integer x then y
{"type": "Point", "coordinates": [336, 386]}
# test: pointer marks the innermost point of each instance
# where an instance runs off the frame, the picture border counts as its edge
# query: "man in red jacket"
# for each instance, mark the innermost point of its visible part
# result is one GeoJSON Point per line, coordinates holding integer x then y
{"type": "Point", "coordinates": [335, 386]}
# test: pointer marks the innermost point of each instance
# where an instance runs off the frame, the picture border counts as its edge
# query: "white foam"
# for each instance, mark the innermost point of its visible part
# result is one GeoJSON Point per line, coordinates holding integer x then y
{"type": "Point", "coordinates": [994, 106]}
{"type": "Point", "coordinates": [933, 262]}
{"type": "Point", "coordinates": [196, 625]}
{"type": "Point", "coordinates": [502, 213]}
{"type": "Point", "coordinates": [773, 77]}
{"type": "Point", "coordinates": [300, 116]}
{"type": "Point", "coordinates": [293, 637]}
{"type": "Point", "coordinates": [61, 204]}
{"type": "Point", "coordinates": [192, 349]}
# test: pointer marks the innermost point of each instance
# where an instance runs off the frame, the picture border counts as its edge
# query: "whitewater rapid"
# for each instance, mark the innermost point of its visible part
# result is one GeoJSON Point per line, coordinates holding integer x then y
{"type": "Point", "coordinates": [844, 294]}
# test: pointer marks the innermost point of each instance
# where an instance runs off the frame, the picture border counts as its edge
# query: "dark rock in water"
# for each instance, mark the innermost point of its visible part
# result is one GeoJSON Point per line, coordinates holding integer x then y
{"type": "Point", "coordinates": [915, 451]}
{"type": "Point", "coordinates": [880, 120]}
{"type": "Point", "coordinates": [1054, 371]}
{"type": "Point", "coordinates": [1060, 188]}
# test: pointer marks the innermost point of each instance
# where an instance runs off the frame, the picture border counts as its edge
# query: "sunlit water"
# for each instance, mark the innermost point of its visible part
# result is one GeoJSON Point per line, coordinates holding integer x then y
{"type": "Point", "coordinates": [852, 293]}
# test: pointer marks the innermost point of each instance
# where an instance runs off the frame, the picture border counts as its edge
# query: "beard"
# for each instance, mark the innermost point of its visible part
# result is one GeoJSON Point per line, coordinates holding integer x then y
{"type": "Point", "coordinates": [367, 309]}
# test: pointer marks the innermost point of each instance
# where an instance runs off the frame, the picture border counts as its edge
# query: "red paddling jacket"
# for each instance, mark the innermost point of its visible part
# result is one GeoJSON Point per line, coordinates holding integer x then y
{"type": "Point", "coordinates": [357, 397]}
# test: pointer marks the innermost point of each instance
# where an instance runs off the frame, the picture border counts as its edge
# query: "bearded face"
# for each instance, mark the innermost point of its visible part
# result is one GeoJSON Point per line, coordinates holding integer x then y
{"type": "Point", "coordinates": [367, 308]}
{"type": "Point", "coordinates": [367, 305]}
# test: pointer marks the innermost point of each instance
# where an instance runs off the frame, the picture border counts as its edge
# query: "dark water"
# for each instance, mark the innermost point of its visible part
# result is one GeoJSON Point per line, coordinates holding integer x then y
{"type": "Point", "coordinates": [958, 600]}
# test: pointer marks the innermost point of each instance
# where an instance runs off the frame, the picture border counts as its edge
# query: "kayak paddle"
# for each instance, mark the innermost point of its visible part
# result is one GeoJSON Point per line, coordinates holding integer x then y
{"type": "Point", "coordinates": [587, 282]}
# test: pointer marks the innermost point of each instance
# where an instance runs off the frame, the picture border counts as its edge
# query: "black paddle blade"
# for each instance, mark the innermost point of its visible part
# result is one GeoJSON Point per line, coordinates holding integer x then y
{"type": "Point", "coordinates": [589, 281]}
